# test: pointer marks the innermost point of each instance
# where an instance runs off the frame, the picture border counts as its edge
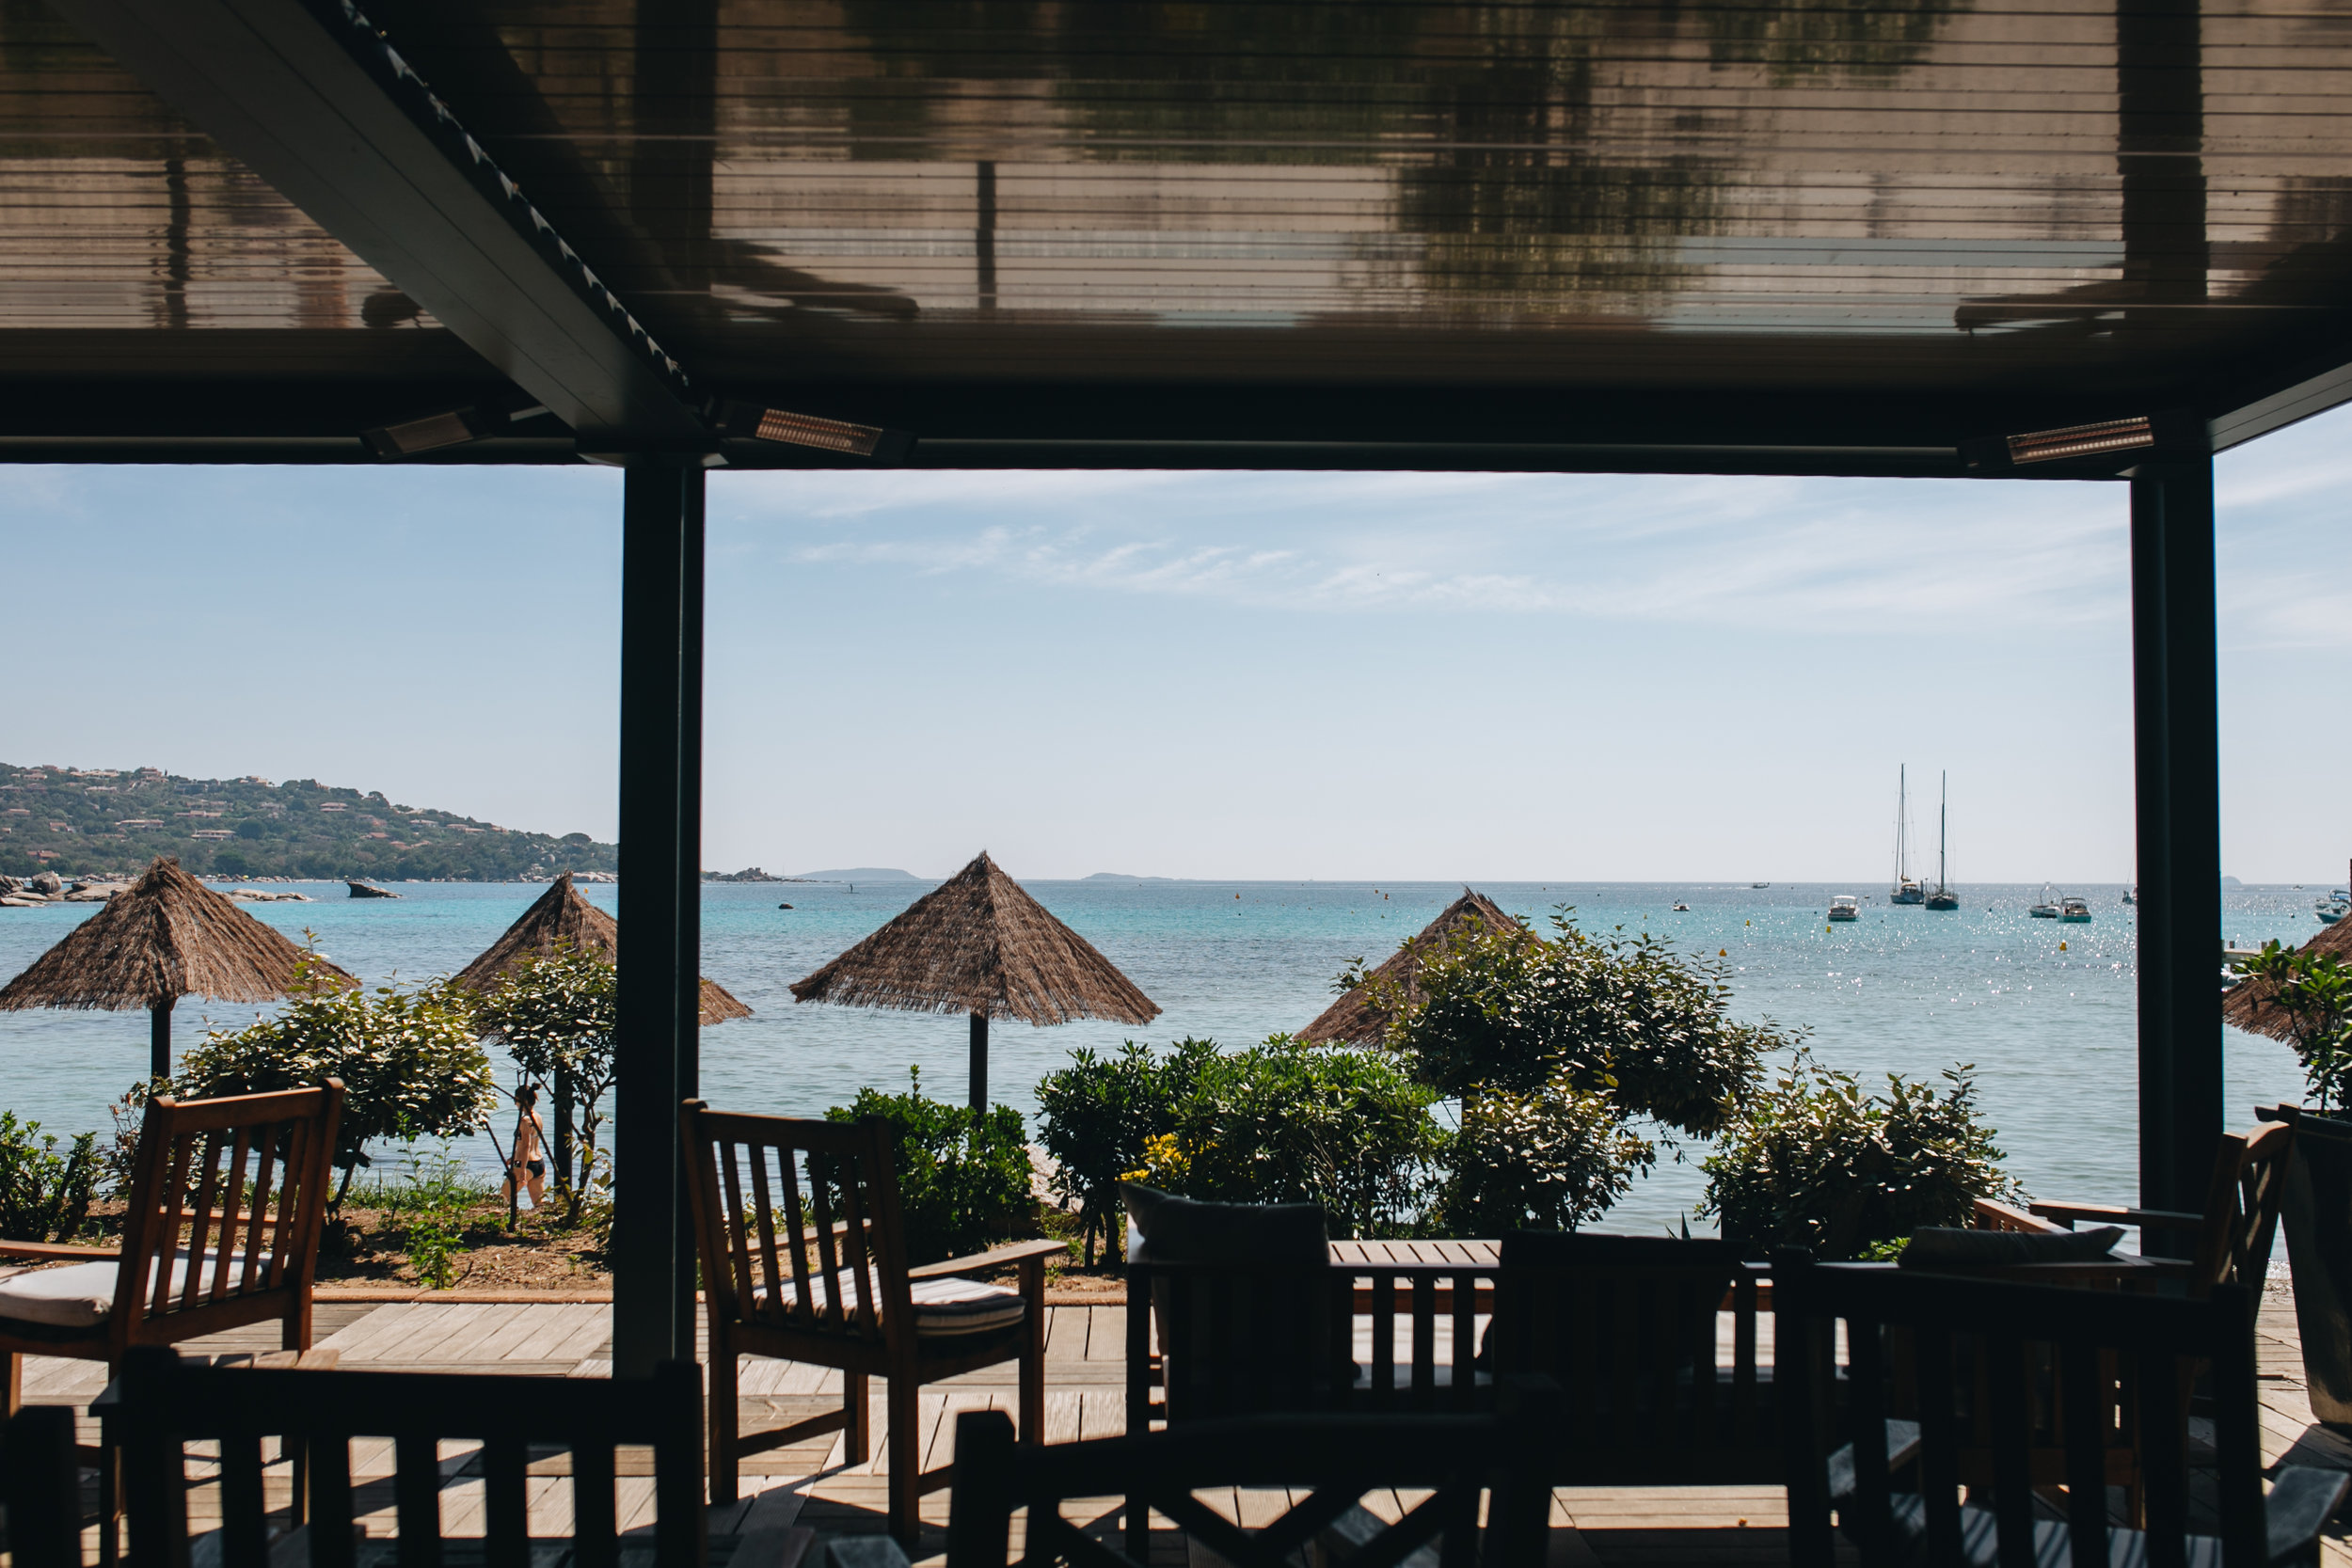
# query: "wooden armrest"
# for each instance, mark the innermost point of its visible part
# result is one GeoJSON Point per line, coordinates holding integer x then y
{"type": "Point", "coordinates": [2301, 1502]}
{"type": "Point", "coordinates": [2114, 1213]}
{"type": "Point", "coordinates": [995, 1258]}
{"type": "Point", "coordinates": [1992, 1214]}
{"type": "Point", "coordinates": [48, 1252]}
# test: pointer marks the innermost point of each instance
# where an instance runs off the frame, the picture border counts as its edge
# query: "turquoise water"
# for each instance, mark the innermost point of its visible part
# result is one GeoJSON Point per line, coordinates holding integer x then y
{"type": "Point", "coordinates": [1905, 990]}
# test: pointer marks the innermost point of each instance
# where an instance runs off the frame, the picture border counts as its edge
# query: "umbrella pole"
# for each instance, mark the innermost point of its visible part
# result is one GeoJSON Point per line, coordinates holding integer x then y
{"type": "Point", "coordinates": [980, 1061]}
{"type": "Point", "coordinates": [159, 1038]}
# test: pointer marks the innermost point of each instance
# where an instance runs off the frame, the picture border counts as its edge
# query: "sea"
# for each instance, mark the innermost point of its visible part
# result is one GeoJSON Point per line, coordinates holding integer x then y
{"type": "Point", "coordinates": [2042, 1012]}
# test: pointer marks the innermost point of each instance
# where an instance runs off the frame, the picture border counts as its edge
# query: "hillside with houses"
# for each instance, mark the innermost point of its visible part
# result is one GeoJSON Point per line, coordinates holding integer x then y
{"type": "Point", "coordinates": [91, 821]}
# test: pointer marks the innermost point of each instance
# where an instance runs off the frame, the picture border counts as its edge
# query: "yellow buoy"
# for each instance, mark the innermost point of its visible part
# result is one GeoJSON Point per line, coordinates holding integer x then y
{"type": "Point", "coordinates": [1722, 951]}
{"type": "Point", "coordinates": [2061, 947]}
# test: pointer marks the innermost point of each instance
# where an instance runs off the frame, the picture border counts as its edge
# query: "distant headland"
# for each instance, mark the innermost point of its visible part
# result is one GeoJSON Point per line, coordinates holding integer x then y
{"type": "Point", "coordinates": [100, 821]}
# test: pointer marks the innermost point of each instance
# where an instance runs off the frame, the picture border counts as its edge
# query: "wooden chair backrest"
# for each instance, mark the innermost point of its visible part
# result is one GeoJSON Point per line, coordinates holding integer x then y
{"type": "Point", "coordinates": [2242, 1207]}
{"type": "Point", "coordinates": [798, 1222]}
{"type": "Point", "coordinates": [1238, 1339]}
{"type": "Point", "coordinates": [230, 1196]}
{"type": "Point", "coordinates": [1333, 1459]}
{"type": "Point", "coordinates": [1627, 1326]}
{"type": "Point", "coordinates": [161, 1402]}
{"type": "Point", "coordinates": [2041, 1360]}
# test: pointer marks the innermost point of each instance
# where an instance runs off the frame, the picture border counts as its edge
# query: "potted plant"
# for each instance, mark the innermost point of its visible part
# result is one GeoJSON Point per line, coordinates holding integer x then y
{"type": "Point", "coordinates": [2313, 998]}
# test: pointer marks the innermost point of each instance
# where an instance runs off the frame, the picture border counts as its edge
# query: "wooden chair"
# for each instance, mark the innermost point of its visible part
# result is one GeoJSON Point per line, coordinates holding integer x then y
{"type": "Point", "coordinates": [221, 1230]}
{"type": "Point", "coordinates": [161, 1402]}
{"type": "Point", "coordinates": [40, 1488]}
{"type": "Point", "coordinates": [769, 1192]}
{"type": "Point", "coordinates": [2041, 1360]}
{"type": "Point", "coordinates": [1334, 1459]}
{"type": "Point", "coordinates": [2234, 1232]}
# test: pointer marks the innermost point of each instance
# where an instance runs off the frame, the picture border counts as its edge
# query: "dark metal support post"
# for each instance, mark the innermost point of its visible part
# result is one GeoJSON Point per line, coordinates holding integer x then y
{"type": "Point", "coordinates": [2177, 746]}
{"type": "Point", "coordinates": [159, 1038]}
{"type": "Point", "coordinates": [661, 639]}
{"type": "Point", "coordinates": [980, 1061]}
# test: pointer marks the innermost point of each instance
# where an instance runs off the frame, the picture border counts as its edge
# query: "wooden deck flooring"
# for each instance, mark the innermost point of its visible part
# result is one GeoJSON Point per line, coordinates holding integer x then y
{"type": "Point", "coordinates": [808, 1483]}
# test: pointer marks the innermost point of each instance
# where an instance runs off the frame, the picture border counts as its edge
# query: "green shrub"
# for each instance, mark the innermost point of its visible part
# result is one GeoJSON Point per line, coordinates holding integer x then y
{"type": "Point", "coordinates": [1819, 1163]}
{"type": "Point", "coordinates": [1551, 1158]}
{"type": "Point", "coordinates": [1284, 1122]}
{"type": "Point", "coordinates": [1624, 1015]}
{"type": "Point", "coordinates": [1097, 1115]}
{"type": "Point", "coordinates": [44, 1196]}
{"type": "Point", "coordinates": [963, 1175]}
{"type": "Point", "coordinates": [410, 1063]}
{"type": "Point", "coordinates": [2314, 992]}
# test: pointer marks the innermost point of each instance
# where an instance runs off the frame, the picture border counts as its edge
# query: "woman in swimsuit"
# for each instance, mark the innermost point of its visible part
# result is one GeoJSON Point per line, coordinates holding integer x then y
{"type": "Point", "coordinates": [526, 1168]}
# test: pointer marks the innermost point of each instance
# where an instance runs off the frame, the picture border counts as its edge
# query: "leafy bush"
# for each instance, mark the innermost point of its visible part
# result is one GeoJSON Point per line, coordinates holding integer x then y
{"type": "Point", "coordinates": [1096, 1116]}
{"type": "Point", "coordinates": [963, 1175]}
{"type": "Point", "coordinates": [1284, 1122]}
{"type": "Point", "coordinates": [1551, 1158]}
{"type": "Point", "coordinates": [2315, 991]}
{"type": "Point", "coordinates": [410, 1063]}
{"type": "Point", "coordinates": [44, 1196]}
{"type": "Point", "coordinates": [1819, 1163]}
{"type": "Point", "coordinates": [558, 1015]}
{"type": "Point", "coordinates": [1622, 1016]}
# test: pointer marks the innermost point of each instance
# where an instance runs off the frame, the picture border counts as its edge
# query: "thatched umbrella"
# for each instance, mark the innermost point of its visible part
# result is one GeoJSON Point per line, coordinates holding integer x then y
{"type": "Point", "coordinates": [1354, 1020]}
{"type": "Point", "coordinates": [562, 917]}
{"type": "Point", "coordinates": [165, 937]}
{"type": "Point", "coordinates": [2252, 1004]}
{"type": "Point", "coordinates": [977, 943]}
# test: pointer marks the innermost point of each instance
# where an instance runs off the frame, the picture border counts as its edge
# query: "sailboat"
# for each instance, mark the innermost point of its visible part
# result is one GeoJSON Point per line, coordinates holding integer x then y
{"type": "Point", "coordinates": [1907, 887]}
{"type": "Point", "coordinates": [1943, 897]}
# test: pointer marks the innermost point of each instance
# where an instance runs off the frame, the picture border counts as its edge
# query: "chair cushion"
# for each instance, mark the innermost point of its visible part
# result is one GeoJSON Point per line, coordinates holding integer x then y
{"type": "Point", "coordinates": [1183, 1230]}
{"type": "Point", "coordinates": [943, 1307]}
{"type": "Point", "coordinates": [1938, 1246]}
{"type": "Point", "coordinates": [80, 1296]}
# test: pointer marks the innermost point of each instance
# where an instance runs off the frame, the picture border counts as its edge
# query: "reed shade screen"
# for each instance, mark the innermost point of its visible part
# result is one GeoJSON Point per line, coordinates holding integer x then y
{"type": "Point", "coordinates": [2253, 1004]}
{"type": "Point", "coordinates": [978, 943]}
{"type": "Point", "coordinates": [561, 918]}
{"type": "Point", "coordinates": [166, 936]}
{"type": "Point", "coordinates": [1355, 1019]}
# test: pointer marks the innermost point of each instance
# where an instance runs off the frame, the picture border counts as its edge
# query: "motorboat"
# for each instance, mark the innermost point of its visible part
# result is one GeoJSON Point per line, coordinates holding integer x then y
{"type": "Point", "coordinates": [2334, 907]}
{"type": "Point", "coordinates": [1682, 909]}
{"type": "Point", "coordinates": [1845, 907]}
{"type": "Point", "coordinates": [2073, 911]}
{"type": "Point", "coordinates": [1759, 884]}
{"type": "Point", "coordinates": [2048, 908]}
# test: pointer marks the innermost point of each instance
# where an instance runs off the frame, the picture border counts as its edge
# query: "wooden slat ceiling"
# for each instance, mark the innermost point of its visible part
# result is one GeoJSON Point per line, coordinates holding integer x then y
{"type": "Point", "coordinates": [991, 215]}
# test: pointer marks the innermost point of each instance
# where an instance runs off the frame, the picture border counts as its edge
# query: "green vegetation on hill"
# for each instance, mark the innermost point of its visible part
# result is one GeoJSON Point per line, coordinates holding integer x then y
{"type": "Point", "coordinates": [89, 821]}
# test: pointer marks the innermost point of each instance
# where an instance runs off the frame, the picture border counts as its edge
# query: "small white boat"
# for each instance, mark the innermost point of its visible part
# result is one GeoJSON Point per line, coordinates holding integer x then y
{"type": "Point", "coordinates": [2073, 911]}
{"type": "Point", "coordinates": [1682, 909]}
{"type": "Point", "coordinates": [2334, 908]}
{"type": "Point", "coordinates": [2048, 908]}
{"type": "Point", "coordinates": [1845, 907]}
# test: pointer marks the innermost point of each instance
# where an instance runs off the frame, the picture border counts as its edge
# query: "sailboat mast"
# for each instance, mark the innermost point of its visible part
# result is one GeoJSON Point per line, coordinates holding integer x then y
{"type": "Point", "coordinates": [1943, 830]}
{"type": "Point", "coordinates": [1901, 808]}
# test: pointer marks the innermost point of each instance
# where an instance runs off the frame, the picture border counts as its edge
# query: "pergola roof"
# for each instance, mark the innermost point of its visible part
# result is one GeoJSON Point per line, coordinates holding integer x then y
{"type": "Point", "coordinates": [1862, 236]}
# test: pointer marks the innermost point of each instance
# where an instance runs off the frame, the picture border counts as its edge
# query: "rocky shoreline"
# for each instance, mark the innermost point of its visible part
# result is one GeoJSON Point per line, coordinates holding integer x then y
{"type": "Point", "coordinates": [45, 887]}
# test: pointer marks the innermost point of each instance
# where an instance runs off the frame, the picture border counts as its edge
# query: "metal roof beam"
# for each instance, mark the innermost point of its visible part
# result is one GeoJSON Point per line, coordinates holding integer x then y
{"type": "Point", "coordinates": [315, 102]}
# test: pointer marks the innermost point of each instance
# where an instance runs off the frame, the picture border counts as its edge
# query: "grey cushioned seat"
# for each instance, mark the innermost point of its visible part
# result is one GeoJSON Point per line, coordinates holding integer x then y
{"type": "Point", "coordinates": [943, 1307]}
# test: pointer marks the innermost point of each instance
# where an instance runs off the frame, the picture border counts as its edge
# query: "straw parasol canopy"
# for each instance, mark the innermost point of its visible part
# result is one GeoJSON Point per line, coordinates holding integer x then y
{"type": "Point", "coordinates": [2250, 1004]}
{"type": "Point", "coordinates": [978, 944]}
{"type": "Point", "coordinates": [1353, 1020]}
{"type": "Point", "coordinates": [165, 937]}
{"type": "Point", "coordinates": [563, 918]}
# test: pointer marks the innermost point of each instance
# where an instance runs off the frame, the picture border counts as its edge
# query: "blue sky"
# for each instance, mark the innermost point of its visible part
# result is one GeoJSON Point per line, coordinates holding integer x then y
{"type": "Point", "coordinates": [1277, 675]}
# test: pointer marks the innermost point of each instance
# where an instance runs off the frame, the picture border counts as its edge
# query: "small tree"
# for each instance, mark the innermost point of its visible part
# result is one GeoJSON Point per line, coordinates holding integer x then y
{"type": "Point", "coordinates": [410, 1062]}
{"type": "Point", "coordinates": [1626, 1017]}
{"type": "Point", "coordinates": [44, 1196]}
{"type": "Point", "coordinates": [1817, 1163]}
{"type": "Point", "coordinates": [1549, 1158]}
{"type": "Point", "coordinates": [2315, 991]}
{"type": "Point", "coordinates": [559, 1014]}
